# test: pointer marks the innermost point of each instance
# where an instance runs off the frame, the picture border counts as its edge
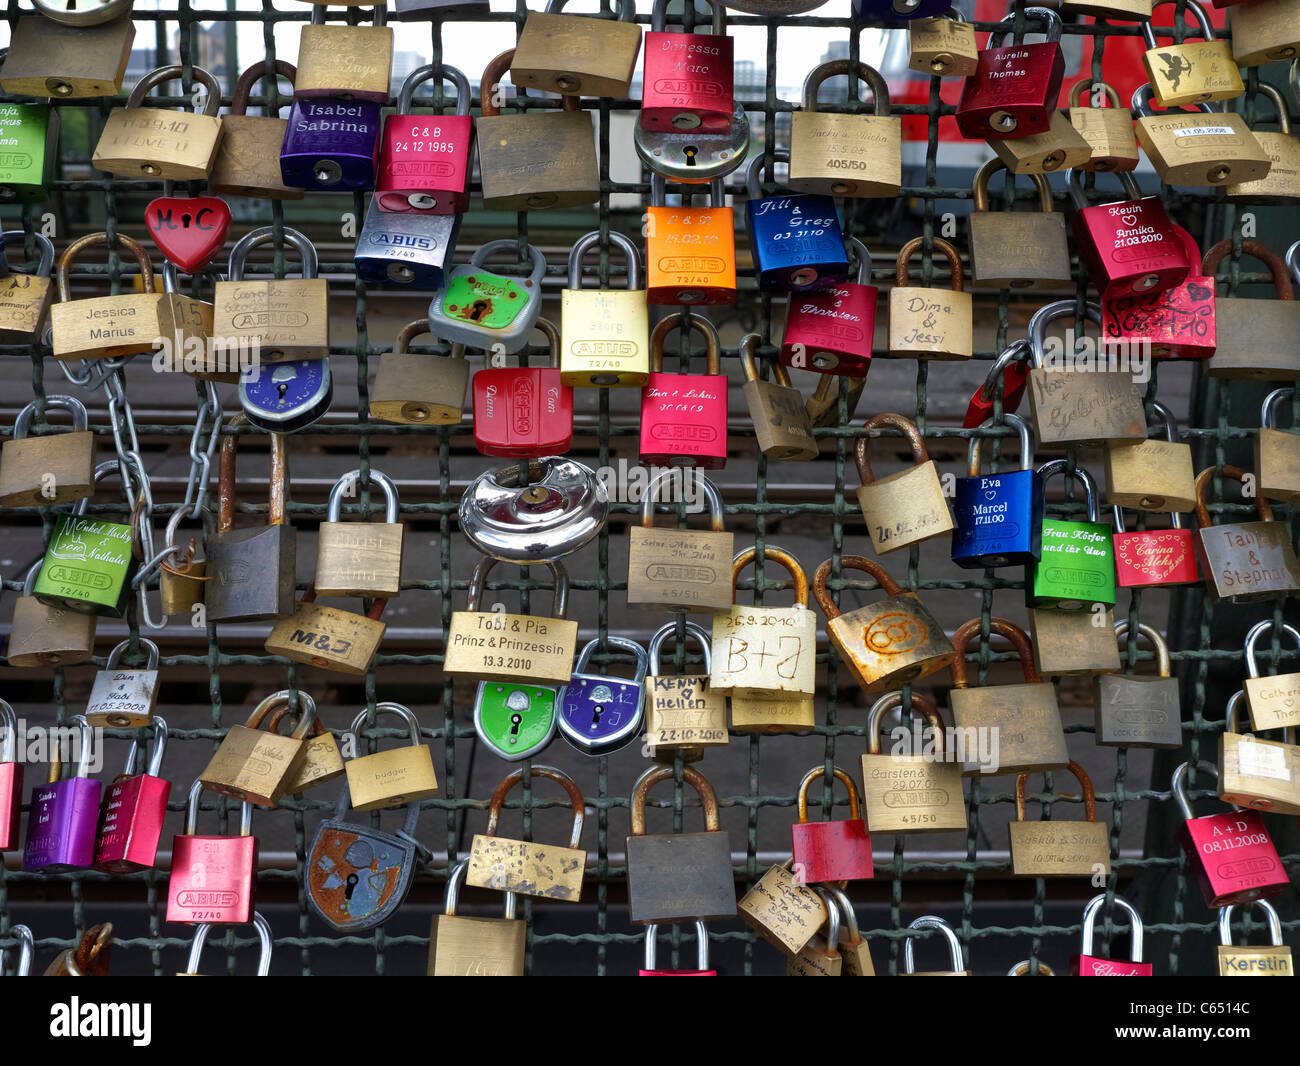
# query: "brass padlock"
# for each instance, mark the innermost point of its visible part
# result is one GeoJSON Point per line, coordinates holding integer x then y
{"type": "Point", "coordinates": [345, 62]}
{"type": "Point", "coordinates": [419, 390]}
{"type": "Point", "coordinates": [1139, 712]}
{"type": "Point", "coordinates": [529, 161]}
{"type": "Point", "coordinates": [1203, 147]}
{"type": "Point", "coordinates": [1193, 72]}
{"type": "Point", "coordinates": [248, 158]}
{"type": "Point", "coordinates": [1282, 182]}
{"type": "Point", "coordinates": [772, 713]}
{"type": "Point", "coordinates": [776, 409]}
{"type": "Point", "coordinates": [254, 765]}
{"type": "Point", "coordinates": [782, 911]}
{"type": "Point", "coordinates": [925, 322]}
{"type": "Point", "coordinates": [943, 46]}
{"type": "Point", "coordinates": [1270, 960]}
{"type": "Point", "coordinates": [605, 332]}
{"type": "Point", "coordinates": [1073, 642]}
{"type": "Point", "coordinates": [1059, 147]}
{"type": "Point", "coordinates": [820, 957]}
{"type": "Point", "coordinates": [44, 471]}
{"type": "Point", "coordinates": [182, 578]}
{"type": "Point", "coordinates": [1265, 33]}
{"type": "Point", "coordinates": [906, 507]}
{"type": "Point", "coordinates": [577, 54]}
{"type": "Point", "coordinates": [25, 298]}
{"type": "Point", "coordinates": [680, 569]}
{"type": "Point", "coordinates": [823, 405]}
{"type": "Point", "coordinates": [62, 62]}
{"type": "Point", "coordinates": [324, 761]}
{"type": "Point", "coordinates": [1256, 337]}
{"type": "Point", "coordinates": [188, 325]}
{"type": "Point", "coordinates": [461, 946]}
{"type": "Point", "coordinates": [1155, 475]}
{"type": "Point", "coordinates": [42, 635]}
{"type": "Point", "coordinates": [1108, 130]}
{"type": "Point", "coordinates": [328, 637]}
{"type": "Point", "coordinates": [1261, 775]}
{"type": "Point", "coordinates": [395, 777]}
{"type": "Point", "coordinates": [917, 790]}
{"type": "Point", "coordinates": [105, 327]}
{"type": "Point", "coordinates": [1040, 259]}
{"type": "Point", "coordinates": [1125, 10]}
{"type": "Point", "coordinates": [682, 714]}
{"type": "Point", "coordinates": [1243, 562]}
{"type": "Point", "coordinates": [891, 642]}
{"type": "Point", "coordinates": [1273, 700]}
{"type": "Point", "coordinates": [852, 944]}
{"type": "Point", "coordinates": [1024, 718]}
{"type": "Point", "coordinates": [152, 142]}
{"type": "Point", "coordinates": [360, 558]}
{"type": "Point", "coordinates": [839, 154]}
{"type": "Point", "coordinates": [1060, 848]}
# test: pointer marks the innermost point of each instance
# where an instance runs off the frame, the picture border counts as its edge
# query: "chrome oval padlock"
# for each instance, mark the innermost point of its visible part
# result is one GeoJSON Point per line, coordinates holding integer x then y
{"type": "Point", "coordinates": [287, 397]}
{"type": "Point", "coordinates": [124, 698]}
{"type": "Point", "coordinates": [25, 298]}
{"type": "Point", "coordinates": [407, 249]}
{"type": "Point", "coordinates": [425, 161]}
{"type": "Point", "coordinates": [796, 240]}
{"type": "Point", "coordinates": [838, 154]}
{"type": "Point", "coordinates": [481, 308]}
{"type": "Point", "coordinates": [151, 142]}
{"type": "Point", "coordinates": [534, 512]}
{"type": "Point", "coordinates": [599, 713]}
{"type": "Point", "coordinates": [694, 154]}
{"type": "Point", "coordinates": [82, 12]}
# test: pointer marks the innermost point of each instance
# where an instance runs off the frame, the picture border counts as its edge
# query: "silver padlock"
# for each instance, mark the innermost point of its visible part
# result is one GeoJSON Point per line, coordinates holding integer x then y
{"type": "Point", "coordinates": [405, 248]}
{"type": "Point", "coordinates": [480, 308]}
{"type": "Point", "coordinates": [693, 155]}
{"type": "Point", "coordinates": [124, 699]}
{"type": "Point", "coordinates": [82, 12]}
{"type": "Point", "coordinates": [558, 508]}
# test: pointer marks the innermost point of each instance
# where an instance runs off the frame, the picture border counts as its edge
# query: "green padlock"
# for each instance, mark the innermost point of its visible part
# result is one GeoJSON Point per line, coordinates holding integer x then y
{"type": "Point", "coordinates": [1077, 567]}
{"type": "Point", "coordinates": [481, 308]}
{"type": "Point", "coordinates": [29, 136]}
{"type": "Point", "coordinates": [88, 563]}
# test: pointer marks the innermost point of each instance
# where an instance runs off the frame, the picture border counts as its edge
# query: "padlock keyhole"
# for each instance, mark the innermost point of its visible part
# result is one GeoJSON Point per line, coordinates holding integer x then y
{"type": "Point", "coordinates": [597, 711]}
{"type": "Point", "coordinates": [516, 720]}
{"type": "Point", "coordinates": [185, 220]}
{"type": "Point", "coordinates": [353, 880]}
{"type": "Point", "coordinates": [690, 152]}
{"type": "Point", "coordinates": [477, 310]}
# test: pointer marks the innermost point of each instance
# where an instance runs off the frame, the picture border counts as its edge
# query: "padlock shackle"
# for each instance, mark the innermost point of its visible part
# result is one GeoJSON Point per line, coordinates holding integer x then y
{"type": "Point", "coordinates": [334, 508]}
{"type": "Point", "coordinates": [701, 944]}
{"type": "Point", "coordinates": [490, 83]}
{"type": "Point", "coordinates": [1085, 782]}
{"type": "Point", "coordinates": [703, 485]}
{"type": "Point", "coordinates": [855, 810]}
{"type": "Point", "coordinates": [192, 812]}
{"type": "Point", "coordinates": [1050, 19]}
{"type": "Point", "coordinates": [1022, 429]}
{"type": "Point", "coordinates": [1132, 191]}
{"type": "Point", "coordinates": [624, 10]}
{"type": "Point", "coordinates": [905, 426]}
{"type": "Point", "coordinates": [46, 262]}
{"type": "Point", "coordinates": [848, 916]}
{"type": "Point", "coordinates": [944, 248]}
{"type": "Point", "coordinates": [1143, 104]}
{"type": "Point", "coordinates": [929, 921]}
{"type": "Point", "coordinates": [754, 172]}
{"type": "Point", "coordinates": [1235, 473]}
{"type": "Point", "coordinates": [668, 631]}
{"type": "Point", "coordinates": [594, 239]}
{"type": "Point", "coordinates": [388, 707]}
{"type": "Point", "coordinates": [1270, 914]}
{"type": "Point", "coordinates": [226, 482]}
{"type": "Point", "coordinates": [253, 75]}
{"type": "Point", "coordinates": [849, 562]}
{"type": "Point", "coordinates": [1167, 417]}
{"type": "Point", "coordinates": [1267, 410]}
{"type": "Point", "coordinates": [1164, 665]}
{"type": "Point", "coordinates": [452, 896]}
{"type": "Point", "coordinates": [980, 188]}
{"type": "Point", "coordinates": [1293, 253]}
{"type": "Point", "coordinates": [151, 651]}
{"type": "Point", "coordinates": [277, 716]}
{"type": "Point", "coordinates": [157, 749]}
{"type": "Point", "coordinates": [76, 247]}
{"type": "Point", "coordinates": [306, 710]}
{"type": "Point", "coordinates": [85, 741]}
{"type": "Point", "coordinates": [1262, 252]}
{"type": "Point", "coordinates": [1016, 352]}
{"type": "Point", "coordinates": [712, 345]}
{"type": "Point", "coordinates": [1076, 92]}
{"type": "Point", "coordinates": [1198, 13]}
{"type": "Point", "coordinates": [1117, 516]}
{"type": "Point", "coordinates": [1090, 913]}
{"type": "Point", "coordinates": [1279, 105]}
{"type": "Point", "coordinates": [1253, 637]}
{"type": "Point", "coordinates": [420, 75]}
{"type": "Point", "coordinates": [26, 949]}
{"type": "Point", "coordinates": [611, 641]}
{"type": "Point", "coordinates": [748, 353]}
{"type": "Point", "coordinates": [857, 249]}
{"type": "Point", "coordinates": [1048, 313]}
{"type": "Point", "coordinates": [478, 582]}
{"type": "Point", "coordinates": [779, 556]}
{"type": "Point", "coordinates": [552, 774]}
{"type": "Point", "coordinates": [9, 723]}
{"type": "Point", "coordinates": [265, 235]}
{"type": "Point", "coordinates": [921, 705]}
{"type": "Point", "coordinates": [1178, 785]}
{"type": "Point", "coordinates": [1230, 715]}
{"type": "Point", "coordinates": [175, 72]}
{"type": "Point", "coordinates": [875, 82]}
{"type": "Point", "coordinates": [260, 926]}
{"type": "Point", "coordinates": [1019, 642]}
{"type": "Point", "coordinates": [1062, 466]}
{"type": "Point", "coordinates": [509, 244]}
{"type": "Point", "coordinates": [80, 420]}
{"type": "Point", "coordinates": [659, 192]}
{"type": "Point", "coordinates": [1021, 969]}
{"type": "Point", "coordinates": [653, 775]}
{"type": "Point", "coordinates": [659, 17]}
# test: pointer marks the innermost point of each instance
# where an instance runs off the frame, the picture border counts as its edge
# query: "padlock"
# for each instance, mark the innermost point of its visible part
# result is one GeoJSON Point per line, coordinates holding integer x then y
{"type": "Point", "coordinates": [605, 333]}
{"type": "Point", "coordinates": [773, 712]}
{"type": "Point", "coordinates": [929, 921]}
{"type": "Point", "coordinates": [182, 579]}
{"type": "Point", "coordinates": [282, 319]}
{"type": "Point", "coordinates": [528, 162]}
{"type": "Point", "coordinates": [1255, 335]}
{"type": "Point", "coordinates": [124, 698]}
{"type": "Point", "coordinates": [247, 162]}
{"type": "Point", "coordinates": [1200, 147]}
{"type": "Point", "coordinates": [672, 877]}
{"type": "Point", "coordinates": [917, 790]}
{"type": "Point", "coordinates": [1244, 562]}
{"type": "Point", "coordinates": [213, 878]}
{"type": "Point", "coordinates": [1060, 848]}
{"type": "Point", "coordinates": [188, 345]}
{"type": "Point", "coordinates": [1152, 558]}
{"type": "Point", "coordinates": [1059, 147]}
{"type": "Point", "coordinates": [1273, 701]}
{"type": "Point", "coordinates": [1086, 964]}
{"type": "Point", "coordinates": [1076, 568]}
{"type": "Point", "coordinates": [687, 79]}
{"type": "Point", "coordinates": [1282, 182]}
{"type": "Point", "coordinates": [1190, 72]}
{"type": "Point", "coordinates": [549, 871]}
{"type": "Point", "coordinates": [853, 949]}
{"type": "Point", "coordinates": [51, 60]}
{"type": "Point", "coordinates": [782, 911]}
{"type": "Point", "coordinates": [1108, 131]}
{"type": "Point", "coordinates": [1073, 642]}
{"type": "Point", "coordinates": [26, 949]}
{"type": "Point", "coordinates": [927, 322]}
{"type": "Point", "coordinates": [821, 956]}
{"type": "Point", "coordinates": [1127, 246]}
{"type": "Point", "coordinates": [835, 154]}
{"type": "Point", "coordinates": [483, 309]}
{"type": "Point", "coordinates": [324, 761]}
{"type": "Point", "coordinates": [71, 13]}
{"type": "Point", "coordinates": [27, 166]}
{"type": "Point", "coordinates": [682, 714]}
{"type": "Point", "coordinates": [265, 943]}
{"type": "Point", "coordinates": [1155, 475]}
{"type": "Point", "coordinates": [286, 397]}
{"type": "Point", "coordinates": [417, 390]}
{"type": "Point", "coordinates": [134, 808]}
{"type": "Point", "coordinates": [425, 160]}
{"type": "Point", "coordinates": [460, 946]}
{"type": "Point", "coordinates": [1073, 401]}
{"type": "Point", "coordinates": [745, 638]}
{"type": "Point", "coordinates": [834, 401]}
{"type": "Point", "coordinates": [796, 241]}
{"type": "Point", "coordinates": [328, 637]}
{"type": "Point", "coordinates": [676, 270]}
{"type": "Point", "coordinates": [694, 156]}
{"type": "Point", "coordinates": [1125, 10]}
{"type": "Point", "coordinates": [1261, 775]}
{"type": "Point", "coordinates": [649, 965]}
{"type": "Point", "coordinates": [48, 470]}
{"type": "Point", "coordinates": [943, 46]}
{"type": "Point", "coordinates": [577, 54]}
{"type": "Point", "coordinates": [251, 570]}
{"type": "Point", "coordinates": [599, 713]}
{"type": "Point", "coordinates": [1264, 33]}
{"type": "Point", "coordinates": [1025, 718]}
{"type": "Point", "coordinates": [838, 850]}
{"type": "Point", "coordinates": [998, 518]}
{"type": "Point", "coordinates": [1273, 960]}
{"type": "Point", "coordinates": [11, 779]}
{"type": "Point", "coordinates": [776, 409]}
{"type": "Point", "coordinates": [330, 144]}
{"type": "Point", "coordinates": [684, 416]}
{"type": "Point", "coordinates": [25, 298]}
{"type": "Point", "coordinates": [362, 559]}
{"type": "Point", "coordinates": [680, 569]}
{"type": "Point", "coordinates": [64, 812]}
{"type": "Point", "coordinates": [1015, 88]}
{"type": "Point", "coordinates": [89, 958]}
{"type": "Point", "coordinates": [153, 142]}
{"type": "Point", "coordinates": [830, 331]}
{"type": "Point", "coordinates": [406, 249]}
{"type": "Point", "coordinates": [345, 62]}
{"type": "Point", "coordinates": [526, 411]}
{"type": "Point", "coordinates": [1041, 259]}
{"type": "Point", "coordinates": [256, 765]}
{"type": "Point", "coordinates": [42, 635]}
{"type": "Point", "coordinates": [906, 507]}
{"type": "Point", "coordinates": [1011, 370]}
{"type": "Point", "coordinates": [105, 327]}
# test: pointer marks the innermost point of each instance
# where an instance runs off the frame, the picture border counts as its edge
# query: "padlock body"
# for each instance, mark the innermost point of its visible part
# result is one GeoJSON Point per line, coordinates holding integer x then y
{"type": "Point", "coordinates": [522, 411]}
{"type": "Point", "coordinates": [684, 420]}
{"type": "Point", "coordinates": [926, 323]}
{"type": "Point", "coordinates": [1109, 133]}
{"type": "Point", "coordinates": [845, 155]}
{"type": "Point", "coordinates": [780, 420]}
{"type": "Point", "coordinates": [1199, 149]}
{"type": "Point", "coordinates": [605, 337]}
{"type": "Point", "coordinates": [680, 569]}
{"type": "Point", "coordinates": [1130, 247]}
{"type": "Point", "coordinates": [1177, 323]}
{"type": "Point", "coordinates": [122, 699]}
{"type": "Point", "coordinates": [682, 712]}
{"type": "Point", "coordinates": [912, 793]}
{"type": "Point", "coordinates": [105, 327]}
{"type": "Point", "coordinates": [1277, 464]}
{"type": "Point", "coordinates": [134, 809]}
{"type": "Point", "coordinates": [286, 320]}
{"type": "Point", "coordinates": [424, 164]}
{"type": "Point", "coordinates": [87, 566]}
{"type": "Point", "coordinates": [330, 144]}
{"type": "Point", "coordinates": [998, 519]}
{"type": "Point", "coordinates": [1259, 774]}
{"type": "Point", "coordinates": [905, 508]}
{"type": "Point", "coordinates": [357, 876]}
{"type": "Point", "coordinates": [939, 46]}
{"type": "Point", "coordinates": [1028, 721]}
{"type": "Point", "coordinates": [1265, 33]}
{"type": "Point", "coordinates": [659, 889]}
{"type": "Point", "coordinates": [1091, 408]}
{"type": "Point", "coordinates": [830, 330]}
{"type": "Point", "coordinates": [151, 142]}
{"type": "Point", "coordinates": [251, 574]}
{"type": "Point", "coordinates": [1247, 561]}
{"type": "Point", "coordinates": [600, 714]}
{"type": "Point", "coordinates": [213, 879]}
{"type": "Point", "coordinates": [254, 765]}
{"type": "Point", "coordinates": [1076, 569]}
{"type": "Point", "coordinates": [506, 647]}
{"type": "Point", "coordinates": [548, 871]}
{"type": "Point", "coordinates": [460, 946]}
{"type": "Point", "coordinates": [1273, 702]}
{"type": "Point", "coordinates": [248, 159]}
{"type": "Point", "coordinates": [1254, 339]}
{"type": "Point", "coordinates": [1042, 257]}
{"type": "Point", "coordinates": [1059, 848]}
{"type": "Point", "coordinates": [687, 81]}
{"type": "Point", "coordinates": [61, 825]}
{"type": "Point", "coordinates": [797, 242]}
{"type": "Point", "coordinates": [1194, 72]}
{"type": "Point", "coordinates": [690, 255]}
{"type": "Point", "coordinates": [481, 309]}
{"type": "Point", "coordinates": [24, 304]}
{"type": "Point", "coordinates": [43, 471]}
{"type": "Point", "coordinates": [573, 54]}
{"type": "Point", "coordinates": [764, 652]}
{"type": "Point", "coordinates": [418, 390]}
{"type": "Point", "coordinates": [896, 10]}
{"type": "Point", "coordinates": [327, 637]}
{"type": "Point", "coordinates": [42, 635]}
{"type": "Point", "coordinates": [1013, 91]}
{"type": "Point", "coordinates": [535, 162]}
{"type": "Point", "coordinates": [1153, 557]}
{"type": "Point", "coordinates": [30, 133]}
{"type": "Point", "coordinates": [890, 643]}
{"type": "Point", "coordinates": [1232, 857]}
{"type": "Point", "coordinates": [783, 912]}
{"type": "Point", "coordinates": [1073, 642]}
{"type": "Point", "coordinates": [54, 59]}
{"type": "Point", "coordinates": [1060, 147]}
{"type": "Point", "coordinates": [1141, 712]}
{"type": "Point", "coordinates": [362, 559]}
{"type": "Point", "coordinates": [1092, 966]}
{"type": "Point", "coordinates": [514, 720]}
{"type": "Point", "coordinates": [772, 713]}
{"type": "Point", "coordinates": [409, 251]}
{"type": "Point", "coordinates": [11, 799]}
{"type": "Point", "coordinates": [1282, 182]}
{"type": "Point", "coordinates": [1257, 961]}
{"type": "Point", "coordinates": [831, 851]}
{"type": "Point", "coordinates": [391, 778]}
{"type": "Point", "coordinates": [347, 62]}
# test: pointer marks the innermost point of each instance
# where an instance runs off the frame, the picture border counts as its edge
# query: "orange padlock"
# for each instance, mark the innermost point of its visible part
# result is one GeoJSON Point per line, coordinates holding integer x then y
{"type": "Point", "coordinates": [690, 252]}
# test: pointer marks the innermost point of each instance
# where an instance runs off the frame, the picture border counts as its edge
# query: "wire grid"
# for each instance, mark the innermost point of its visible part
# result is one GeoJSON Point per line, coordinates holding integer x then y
{"type": "Point", "coordinates": [1217, 426]}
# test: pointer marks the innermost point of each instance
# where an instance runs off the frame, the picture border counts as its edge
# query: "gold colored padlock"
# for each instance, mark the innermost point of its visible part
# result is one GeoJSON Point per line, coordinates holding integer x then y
{"type": "Point", "coordinates": [1108, 130]}
{"type": "Point", "coordinates": [42, 635]}
{"type": "Point", "coordinates": [345, 62]}
{"type": "Point", "coordinates": [1244, 562]}
{"type": "Point", "coordinates": [943, 46]}
{"type": "Point", "coordinates": [1060, 848]}
{"type": "Point", "coordinates": [104, 327]}
{"type": "Point", "coordinates": [925, 322]}
{"type": "Point", "coordinates": [152, 142]}
{"type": "Point", "coordinates": [782, 911]}
{"type": "Point", "coordinates": [361, 559]}
{"type": "Point", "coordinates": [1262, 775]}
{"type": "Point", "coordinates": [1282, 182]}
{"type": "Point", "coordinates": [328, 637]}
{"type": "Point", "coordinates": [248, 158]}
{"type": "Point", "coordinates": [906, 507]}
{"type": "Point", "coordinates": [577, 54]}
{"type": "Point", "coordinates": [1073, 642]}
{"type": "Point", "coordinates": [254, 765]}
{"type": "Point", "coordinates": [918, 791]}
{"type": "Point", "coordinates": [1194, 72]}
{"type": "Point", "coordinates": [1256, 338]}
{"type": "Point", "coordinates": [420, 390]}
{"type": "Point", "coordinates": [63, 62]}
{"type": "Point", "coordinates": [1016, 249]}
{"type": "Point", "coordinates": [1204, 147]}
{"type": "Point", "coordinates": [324, 761]}
{"type": "Point", "coordinates": [25, 298]}
{"type": "Point", "coordinates": [1271, 960]}
{"type": "Point", "coordinates": [1273, 700]}
{"type": "Point", "coordinates": [776, 409]}
{"type": "Point", "coordinates": [845, 155]}
{"type": "Point", "coordinates": [605, 332]}
{"type": "Point", "coordinates": [395, 777]}
{"type": "Point", "coordinates": [680, 569]}
{"type": "Point", "coordinates": [1277, 453]}
{"type": "Point", "coordinates": [1155, 475]}
{"type": "Point", "coordinates": [682, 714]}
{"type": "Point", "coordinates": [44, 471]}
{"type": "Point", "coordinates": [1266, 31]}
{"type": "Point", "coordinates": [1059, 147]}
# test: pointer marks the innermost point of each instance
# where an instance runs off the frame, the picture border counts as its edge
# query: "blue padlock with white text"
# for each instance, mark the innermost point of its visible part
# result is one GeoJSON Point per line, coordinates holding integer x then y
{"type": "Point", "coordinates": [600, 713]}
{"type": "Point", "coordinates": [998, 518]}
{"type": "Point", "coordinates": [795, 239]}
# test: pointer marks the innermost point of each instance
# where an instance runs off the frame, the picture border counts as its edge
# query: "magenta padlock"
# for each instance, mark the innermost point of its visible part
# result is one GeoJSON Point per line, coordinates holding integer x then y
{"type": "Point", "coordinates": [1086, 964]}
{"type": "Point", "coordinates": [830, 330]}
{"type": "Point", "coordinates": [330, 144]}
{"type": "Point", "coordinates": [524, 411]}
{"type": "Point", "coordinates": [64, 812]}
{"type": "Point", "coordinates": [134, 808]}
{"type": "Point", "coordinates": [684, 416]}
{"type": "Point", "coordinates": [425, 160]}
{"type": "Point", "coordinates": [11, 780]}
{"type": "Point", "coordinates": [1015, 89]}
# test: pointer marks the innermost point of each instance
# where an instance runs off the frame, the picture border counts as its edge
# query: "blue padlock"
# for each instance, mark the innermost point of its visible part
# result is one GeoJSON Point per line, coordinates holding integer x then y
{"type": "Point", "coordinates": [286, 397]}
{"type": "Point", "coordinates": [405, 249]}
{"type": "Point", "coordinates": [796, 240]}
{"type": "Point", "coordinates": [600, 713]}
{"type": "Point", "coordinates": [330, 144]}
{"type": "Point", "coordinates": [999, 517]}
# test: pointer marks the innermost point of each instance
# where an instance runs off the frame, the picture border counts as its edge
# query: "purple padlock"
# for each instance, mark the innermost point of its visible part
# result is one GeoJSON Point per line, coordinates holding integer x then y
{"type": "Point", "coordinates": [64, 816]}
{"type": "Point", "coordinates": [330, 144]}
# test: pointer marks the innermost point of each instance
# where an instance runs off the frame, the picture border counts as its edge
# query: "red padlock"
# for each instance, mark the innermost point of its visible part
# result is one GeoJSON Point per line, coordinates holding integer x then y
{"type": "Point", "coordinates": [1086, 964]}
{"type": "Point", "coordinates": [1014, 90]}
{"type": "Point", "coordinates": [688, 78]}
{"type": "Point", "coordinates": [213, 877]}
{"type": "Point", "coordinates": [1147, 558]}
{"type": "Point", "coordinates": [134, 808]}
{"type": "Point", "coordinates": [524, 411]}
{"type": "Point", "coordinates": [1012, 366]}
{"type": "Point", "coordinates": [650, 969]}
{"type": "Point", "coordinates": [1177, 323]}
{"type": "Point", "coordinates": [684, 416]}
{"type": "Point", "coordinates": [1129, 246]}
{"type": "Point", "coordinates": [830, 330]}
{"type": "Point", "coordinates": [1231, 854]}
{"type": "Point", "coordinates": [830, 851]}
{"type": "Point", "coordinates": [424, 160]}
{"type": "Point", "coordinates": [11, 781]}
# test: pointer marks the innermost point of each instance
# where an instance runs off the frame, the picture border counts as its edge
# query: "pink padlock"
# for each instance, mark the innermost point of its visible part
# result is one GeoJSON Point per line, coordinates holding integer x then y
{"type": "Point", "coordinates": [424, 160]}
{"type": "Point", "coordinates": [684, 416]}
{"type": "Point", "coordinates": [830, 330]}
{"type": "Point", "coordinates": [1086, 964]}
{"type": "Point", "coordinates": [11, 780]}
{"type": "Point", "coordinates": [134, 808]}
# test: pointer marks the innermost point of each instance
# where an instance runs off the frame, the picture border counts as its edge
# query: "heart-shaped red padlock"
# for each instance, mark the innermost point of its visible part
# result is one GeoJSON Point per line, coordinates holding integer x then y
{"type": "Point", "coordinates": [189, 231]}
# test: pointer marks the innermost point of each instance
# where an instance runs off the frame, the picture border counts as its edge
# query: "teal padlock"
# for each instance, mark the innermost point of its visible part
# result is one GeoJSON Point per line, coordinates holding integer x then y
{"type": "Point", "coordinates": [1076, 570]}
{"type": "Point", "coordinates": [29, 136]}
{"type": "Point", "coordinates": [88, 562]}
